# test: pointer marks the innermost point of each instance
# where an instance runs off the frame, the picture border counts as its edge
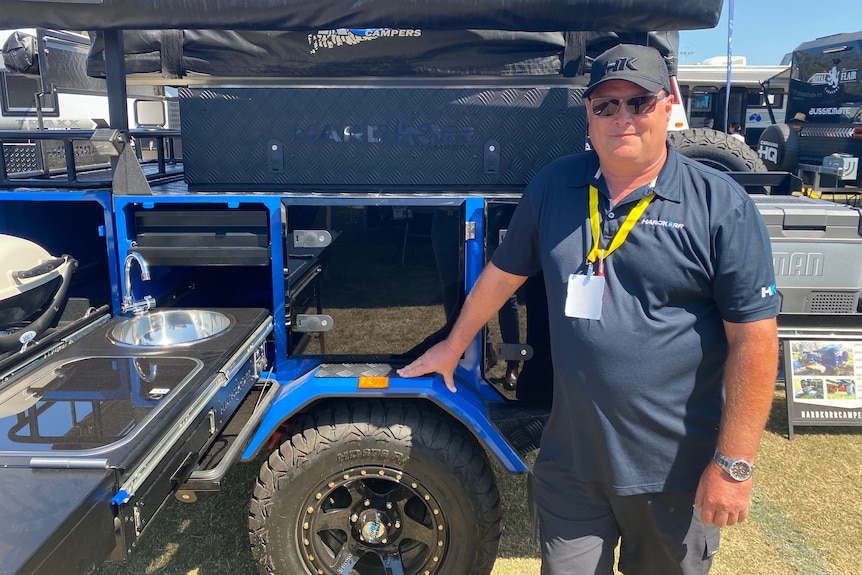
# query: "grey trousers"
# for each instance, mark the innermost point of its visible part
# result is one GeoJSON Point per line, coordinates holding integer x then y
{"type": "Point", "coordinates": [581, 523]}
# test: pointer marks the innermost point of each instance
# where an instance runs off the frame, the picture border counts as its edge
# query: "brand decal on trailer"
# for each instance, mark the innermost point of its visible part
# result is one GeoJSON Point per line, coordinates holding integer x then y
{"type": "Point", "coordinates": [398, 134]}
{"type": "Point", "coordinates": [329, 39]}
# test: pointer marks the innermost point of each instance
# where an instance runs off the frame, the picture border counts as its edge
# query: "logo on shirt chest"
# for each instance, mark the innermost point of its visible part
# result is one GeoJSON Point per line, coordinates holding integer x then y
{"type": "Point", "coordinates": [662, 224]}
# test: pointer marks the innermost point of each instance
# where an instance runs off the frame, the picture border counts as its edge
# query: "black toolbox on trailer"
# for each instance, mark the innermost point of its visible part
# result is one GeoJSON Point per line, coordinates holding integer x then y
{"type": "Point", "coordinates": [428, 136]}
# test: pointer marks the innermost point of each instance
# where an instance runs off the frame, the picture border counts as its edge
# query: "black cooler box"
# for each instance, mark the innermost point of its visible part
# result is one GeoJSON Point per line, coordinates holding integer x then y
{"type": "Point", "coordinates": [427, 137]}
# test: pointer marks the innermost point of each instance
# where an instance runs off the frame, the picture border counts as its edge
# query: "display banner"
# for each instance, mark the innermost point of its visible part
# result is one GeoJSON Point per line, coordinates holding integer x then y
{"type": "Point", "coordinates": [823, 383]}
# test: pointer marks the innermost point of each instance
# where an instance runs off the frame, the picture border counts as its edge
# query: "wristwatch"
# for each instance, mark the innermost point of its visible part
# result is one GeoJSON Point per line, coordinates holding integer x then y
{"type": "Point", "coordinates": [738, 469]}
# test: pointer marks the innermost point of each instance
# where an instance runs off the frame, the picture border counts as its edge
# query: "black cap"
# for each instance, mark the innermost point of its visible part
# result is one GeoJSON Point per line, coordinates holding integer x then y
{"type": "Point", "coordinates": [641, 65]}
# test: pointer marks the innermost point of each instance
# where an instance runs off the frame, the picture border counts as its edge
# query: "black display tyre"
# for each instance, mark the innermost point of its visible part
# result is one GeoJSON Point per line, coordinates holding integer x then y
{"type": "Point", "coordinates": [370, 488]}
{"type": "Point", "coordinates": [779, 146]}
{"type": "Point", "coordinates": [717, 150]}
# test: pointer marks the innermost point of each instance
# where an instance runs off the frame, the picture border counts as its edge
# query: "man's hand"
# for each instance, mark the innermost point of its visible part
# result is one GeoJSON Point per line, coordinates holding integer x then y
{"type": "Point", "coordinates": [440, 358]}
{"type": "Point", "coordinates": [722, 500]}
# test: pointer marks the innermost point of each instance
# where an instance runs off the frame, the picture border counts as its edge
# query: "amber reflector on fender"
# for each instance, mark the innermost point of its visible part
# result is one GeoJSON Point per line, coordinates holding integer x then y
{"type": "Point", "coordinates": [373, 382]}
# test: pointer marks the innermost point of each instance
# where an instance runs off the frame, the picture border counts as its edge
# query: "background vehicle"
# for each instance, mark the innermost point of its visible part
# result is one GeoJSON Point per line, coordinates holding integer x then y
{"type": "Point", "coordinates": [826, 92]}
{"type": "Point", "coordinates": [325, 228]}
{"type": "Point", "coordinates": [44, 86]}
{"type": "Point", "coordinates": [704, 92]}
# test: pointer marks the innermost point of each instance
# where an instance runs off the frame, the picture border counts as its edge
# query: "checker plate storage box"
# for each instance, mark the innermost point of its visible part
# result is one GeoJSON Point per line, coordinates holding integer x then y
{"type": "Point", "coordinates": [414, 139]}
{"type": "Point", "coordinates": [817, 253]}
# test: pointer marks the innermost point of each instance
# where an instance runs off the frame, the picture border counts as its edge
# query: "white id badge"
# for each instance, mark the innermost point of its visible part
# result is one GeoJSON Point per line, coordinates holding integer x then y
{"type": "Point", "coordinates": [584, 296]}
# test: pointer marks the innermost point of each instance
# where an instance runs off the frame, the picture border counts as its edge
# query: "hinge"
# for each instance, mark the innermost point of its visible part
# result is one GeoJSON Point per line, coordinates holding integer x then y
{"type": "Point", "coordinates": [313, 322]}
{"type": "Point", "coordinates": [139, 523]}
{"type": "Point", "coordinates": [470, 231]}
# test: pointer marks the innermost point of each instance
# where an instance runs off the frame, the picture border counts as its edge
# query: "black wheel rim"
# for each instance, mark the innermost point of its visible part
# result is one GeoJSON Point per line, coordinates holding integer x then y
{"type": "Point", "coordinates": [372, 520]}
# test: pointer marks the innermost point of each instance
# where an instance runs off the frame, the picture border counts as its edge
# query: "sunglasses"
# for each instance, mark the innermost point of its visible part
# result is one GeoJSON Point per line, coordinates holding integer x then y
{"type": "Point", "coordinates": [636, 105]}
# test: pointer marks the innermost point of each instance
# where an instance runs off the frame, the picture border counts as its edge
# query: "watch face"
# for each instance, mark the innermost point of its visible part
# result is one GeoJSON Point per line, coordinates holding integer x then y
{"type": "Point", "coordinates": [740, 470]}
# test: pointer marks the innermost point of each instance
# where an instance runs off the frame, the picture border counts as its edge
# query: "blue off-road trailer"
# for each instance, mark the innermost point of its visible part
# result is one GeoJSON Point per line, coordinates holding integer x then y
{"type": "Point", "coordinates": [340, 176]}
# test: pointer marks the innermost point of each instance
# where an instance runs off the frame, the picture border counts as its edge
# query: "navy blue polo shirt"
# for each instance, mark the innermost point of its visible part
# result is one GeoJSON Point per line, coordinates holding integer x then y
{"type": "Point", "coordinates": [638, 393]}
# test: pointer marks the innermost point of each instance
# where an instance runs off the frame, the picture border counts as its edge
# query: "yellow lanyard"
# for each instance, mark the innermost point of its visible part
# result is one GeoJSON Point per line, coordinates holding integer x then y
{"type": "Point", "coordinates": [631, 219]}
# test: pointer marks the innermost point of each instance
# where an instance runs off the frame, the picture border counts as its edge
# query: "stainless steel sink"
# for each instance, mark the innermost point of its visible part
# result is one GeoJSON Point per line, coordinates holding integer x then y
{"type": "Point", "coordinates": [170, 327]}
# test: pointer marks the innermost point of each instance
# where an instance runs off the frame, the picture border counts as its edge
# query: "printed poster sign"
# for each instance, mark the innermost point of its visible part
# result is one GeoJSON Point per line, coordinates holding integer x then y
{"type": "Point", "coordinates": [824, 386]}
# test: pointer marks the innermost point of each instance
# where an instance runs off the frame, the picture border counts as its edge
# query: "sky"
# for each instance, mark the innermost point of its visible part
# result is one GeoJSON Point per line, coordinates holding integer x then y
{"type": "Point", "coordinates": [765, 30]}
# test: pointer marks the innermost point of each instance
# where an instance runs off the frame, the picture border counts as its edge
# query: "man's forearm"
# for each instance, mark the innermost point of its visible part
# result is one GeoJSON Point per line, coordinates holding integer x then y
{"type": "Point", "coordinates": [749, 380]}
{"type": "Point", "coordinates": [491, 291]}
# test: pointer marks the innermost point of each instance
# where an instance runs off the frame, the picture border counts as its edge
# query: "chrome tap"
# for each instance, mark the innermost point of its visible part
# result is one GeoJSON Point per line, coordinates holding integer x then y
{"type": "Point", "coordinates": [129, 304]}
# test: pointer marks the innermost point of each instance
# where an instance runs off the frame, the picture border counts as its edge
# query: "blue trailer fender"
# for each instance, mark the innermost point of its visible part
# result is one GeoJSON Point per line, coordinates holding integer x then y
{"type": "Point", "coordinates": [466, 406]}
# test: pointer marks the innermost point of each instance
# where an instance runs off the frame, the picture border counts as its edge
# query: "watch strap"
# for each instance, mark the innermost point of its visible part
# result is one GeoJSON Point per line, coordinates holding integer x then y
{"type": "Point", "coordinates": [727, 464]}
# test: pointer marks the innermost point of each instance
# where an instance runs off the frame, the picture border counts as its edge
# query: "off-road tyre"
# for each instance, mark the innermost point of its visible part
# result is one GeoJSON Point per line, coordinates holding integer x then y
{"type": "Point", "coordinates": [717, 150]}
{"type": "Point", "coordinates": [369, 487]}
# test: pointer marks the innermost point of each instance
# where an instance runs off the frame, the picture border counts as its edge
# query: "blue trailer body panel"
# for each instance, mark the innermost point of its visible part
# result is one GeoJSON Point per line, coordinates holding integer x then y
{"type": "Point", "coordinates": [45, 216]}
{"type": "Point", "coordinates": [467, 406]}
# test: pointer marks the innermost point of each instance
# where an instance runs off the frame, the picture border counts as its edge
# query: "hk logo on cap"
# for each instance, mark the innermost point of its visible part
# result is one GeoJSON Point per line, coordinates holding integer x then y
{"type": "Point", "coordinates": [621, 64]}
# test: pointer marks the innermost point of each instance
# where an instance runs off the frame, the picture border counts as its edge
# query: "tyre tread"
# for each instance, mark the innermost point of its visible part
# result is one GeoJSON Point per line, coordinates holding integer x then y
{"type": "Point", "coordinates": [315, 432]}
{"type": "Point", "coordinates": [715, 146]}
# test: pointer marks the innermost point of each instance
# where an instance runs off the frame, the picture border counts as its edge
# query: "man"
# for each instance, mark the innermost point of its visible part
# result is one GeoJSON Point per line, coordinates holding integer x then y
{"type": "Point", "coordinates": [662, 308]}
